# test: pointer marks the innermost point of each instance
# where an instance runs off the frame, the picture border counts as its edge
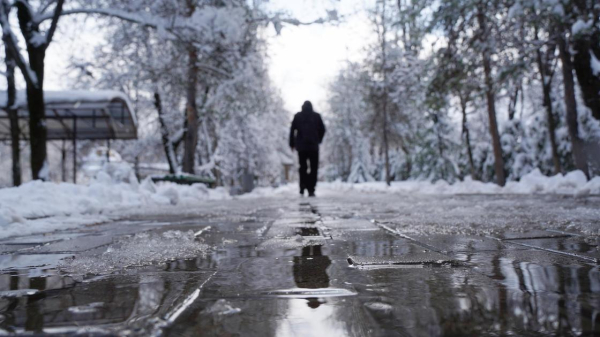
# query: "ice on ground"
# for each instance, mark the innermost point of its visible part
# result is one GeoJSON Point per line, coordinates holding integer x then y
{"type": "Point", "coordinates": [379, 306]}
{"type": "Point", "coordinates": [18, 293]}
{"type": "Point", "coordinates": [139, 250]}
{"type": "Point", "coordinates": [86, 309]}
{"type": "Point", "coordinates": [222, 308]}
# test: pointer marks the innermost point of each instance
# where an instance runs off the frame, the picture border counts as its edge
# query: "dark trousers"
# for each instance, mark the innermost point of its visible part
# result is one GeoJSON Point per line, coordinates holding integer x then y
{"type": "Point", "coordinates": [308, 180]}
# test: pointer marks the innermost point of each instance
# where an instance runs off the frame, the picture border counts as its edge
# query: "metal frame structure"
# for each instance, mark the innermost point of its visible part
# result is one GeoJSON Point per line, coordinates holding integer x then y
{"type": "Point", "coordinates": [69, 116]}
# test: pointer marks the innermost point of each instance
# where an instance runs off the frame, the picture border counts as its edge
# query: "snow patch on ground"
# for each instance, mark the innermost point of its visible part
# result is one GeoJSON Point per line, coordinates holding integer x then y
{"type": "Point", "coordinates": [572, 183]}
{"type": "Point", "coordinates": [41, 207]}
{"type": "Point", "coordinates": [114, 188]}
{"type": "Point", "coordinates": [139, 250]}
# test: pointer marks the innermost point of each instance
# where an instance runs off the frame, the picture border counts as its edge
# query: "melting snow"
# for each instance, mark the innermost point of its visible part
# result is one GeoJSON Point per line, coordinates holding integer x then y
{"type": "Point", "coordinates": [139, 250]}
{"type": "Point", "coordinates": [572, 183]}
{"type": "Point", "coordinates": [39, 207]}
{"type": "Point", "coordinates": [115, 188]}
{"type": "Point", "coordinates": [222, 308]}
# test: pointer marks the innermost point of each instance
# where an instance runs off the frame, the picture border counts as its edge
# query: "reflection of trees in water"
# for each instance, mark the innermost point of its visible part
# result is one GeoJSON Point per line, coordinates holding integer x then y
{"type": "Point", "coordinates": [310, 271]}
{"type": "Point", "coordinates": [126, 298]}
{"type": "Point", "coordinates": [524, 297]}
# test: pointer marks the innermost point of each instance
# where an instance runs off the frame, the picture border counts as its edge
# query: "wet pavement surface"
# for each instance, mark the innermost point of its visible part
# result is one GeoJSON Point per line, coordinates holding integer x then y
{"type": "Point", "coordinates": [369, 265]}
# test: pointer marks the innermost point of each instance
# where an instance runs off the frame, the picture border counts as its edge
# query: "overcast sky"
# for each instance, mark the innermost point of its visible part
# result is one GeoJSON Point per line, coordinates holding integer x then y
{"type": "Point", "coordinates": [303, 60]}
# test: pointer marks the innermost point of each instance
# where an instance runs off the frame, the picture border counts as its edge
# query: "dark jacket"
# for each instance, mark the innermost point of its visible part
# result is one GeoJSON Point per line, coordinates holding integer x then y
{"type": "Point", "coordinates": [307, 130]}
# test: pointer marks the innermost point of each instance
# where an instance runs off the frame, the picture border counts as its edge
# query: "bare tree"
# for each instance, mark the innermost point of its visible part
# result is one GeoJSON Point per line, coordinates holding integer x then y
{"type": "Point", "coordinates": [578, 144]}
{"type": "Point", "coordinates": [11, 111]}
{"type": "Point", "coordinates": [490, 93]}
{"type": "Point", "coordinates": [37, 43]}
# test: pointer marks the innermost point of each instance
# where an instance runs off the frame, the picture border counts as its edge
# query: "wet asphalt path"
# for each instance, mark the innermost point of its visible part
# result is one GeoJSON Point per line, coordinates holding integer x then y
{"type": "Point", "coordinates": [369, 265]}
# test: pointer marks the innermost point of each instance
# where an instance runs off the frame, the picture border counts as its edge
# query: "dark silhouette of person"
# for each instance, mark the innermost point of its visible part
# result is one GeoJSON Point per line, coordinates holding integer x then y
{"type": "Point", "coordinates": [306, 134]}
{"type": "Point", "coordinates": [310, 271]}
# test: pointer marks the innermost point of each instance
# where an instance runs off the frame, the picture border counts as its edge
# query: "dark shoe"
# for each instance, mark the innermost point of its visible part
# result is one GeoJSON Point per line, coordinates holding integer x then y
{"type": "Point", "coordinates": [302, 192]}
{"type": "Point", "coordinates": [311, 194]}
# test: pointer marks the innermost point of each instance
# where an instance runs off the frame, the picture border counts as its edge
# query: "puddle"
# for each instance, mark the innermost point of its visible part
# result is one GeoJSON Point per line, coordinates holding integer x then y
{"type": "Point", "coordinates": [284, 278]}
{"type": "Point", "coordinates": [574, 246]}
{"type": "Point", "coordinates": [422, 259]}
{"type": "Point", "coordinates": [54, 303]}
{"type": "Point", "coordinates": [311, 277]}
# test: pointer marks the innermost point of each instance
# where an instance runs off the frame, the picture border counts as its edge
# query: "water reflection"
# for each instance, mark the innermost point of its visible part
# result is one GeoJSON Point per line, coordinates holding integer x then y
{"type": "Point", "coordinates": [310, 271]}
{"type": "Point", "coordinates": [37, 303]}
{"type": "Point", "coordinates": [312, 316]}
{"type": "Point", "coordinates": [512, 297]}
{"type": "Point", "coordinates": [503, 292]}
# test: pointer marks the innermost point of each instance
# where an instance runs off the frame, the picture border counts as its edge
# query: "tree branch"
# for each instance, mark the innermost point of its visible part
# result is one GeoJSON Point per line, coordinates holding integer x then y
{"type": "Point", "coordinates": [57, 12]}
{"type": "Point", "coordinates": [12, 47]}
{"type": "Point", "coordinates": [214, 70]}
{"type": "Point", "coordinates": [44, 7]}
{"type": "Point", "coordinates": [134, 18]}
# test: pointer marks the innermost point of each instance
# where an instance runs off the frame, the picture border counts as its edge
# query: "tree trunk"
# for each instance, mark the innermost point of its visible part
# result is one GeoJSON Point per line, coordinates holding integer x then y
{"type": "Point", "coordinates": [588, 81]}
{"type": "Point", "coordinates": [578, 145]}
{"type": "Point", "coordinates": [551, 128]}
{"type": "Point", "coordinates": [546, 77]}
{"type": "Point", "coordinates": [491, 103]}
{"type": "Point", "coordinates": [63, 162]}
{"type": "Point", "coordinates": [37, 115]}
{"type": "Point", "coordinates": [385, 143]}
{"type": "Point", "coordinates": [136, 168]}
{"type": "Point", "coordinates": [408, 171]}
{"type": "Point", "coordinates": [167, 145]}
{"type": "Point", "coordinates": [34, 77]}
{"type": "Point", "coordinates": [13, 118]}
{"type": "Point", "coordinates": [383, 33]}
{"type": "Point", "coordinates": [465, 131]}
{"type": "Point", "coordinates": [512, 104]}
{"type": "Point", "coordinates": [191, 133]}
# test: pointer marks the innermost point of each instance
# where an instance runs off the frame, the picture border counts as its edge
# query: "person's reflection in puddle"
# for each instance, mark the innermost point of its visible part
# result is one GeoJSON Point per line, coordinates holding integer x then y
{"type": "Point", "coordinates": [314, 302]}
{"type": "Point", "coordinates": [310, 271]}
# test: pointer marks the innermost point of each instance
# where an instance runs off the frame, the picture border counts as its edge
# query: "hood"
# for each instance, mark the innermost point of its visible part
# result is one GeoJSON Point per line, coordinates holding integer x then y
{"type": "Point", "coordinates": [307, 107]}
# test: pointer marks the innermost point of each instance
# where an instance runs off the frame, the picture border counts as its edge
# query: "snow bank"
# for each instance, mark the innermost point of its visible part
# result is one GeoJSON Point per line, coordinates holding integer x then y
{"type": "Point", "coordinates": [38, 207]}
{"type": "Point", "coordinates": [573, 183]}
{"type": "Point", "coordinates": [114, 188]}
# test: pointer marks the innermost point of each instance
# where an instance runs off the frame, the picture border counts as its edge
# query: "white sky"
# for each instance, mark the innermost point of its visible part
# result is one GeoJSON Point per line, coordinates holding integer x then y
{"type": "Point", "coordinates": [303, 60]}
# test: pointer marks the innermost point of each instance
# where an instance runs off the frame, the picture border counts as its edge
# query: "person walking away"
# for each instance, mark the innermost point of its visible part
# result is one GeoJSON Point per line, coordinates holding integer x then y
{"type": "Point", "coordinates": [306, 134]}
